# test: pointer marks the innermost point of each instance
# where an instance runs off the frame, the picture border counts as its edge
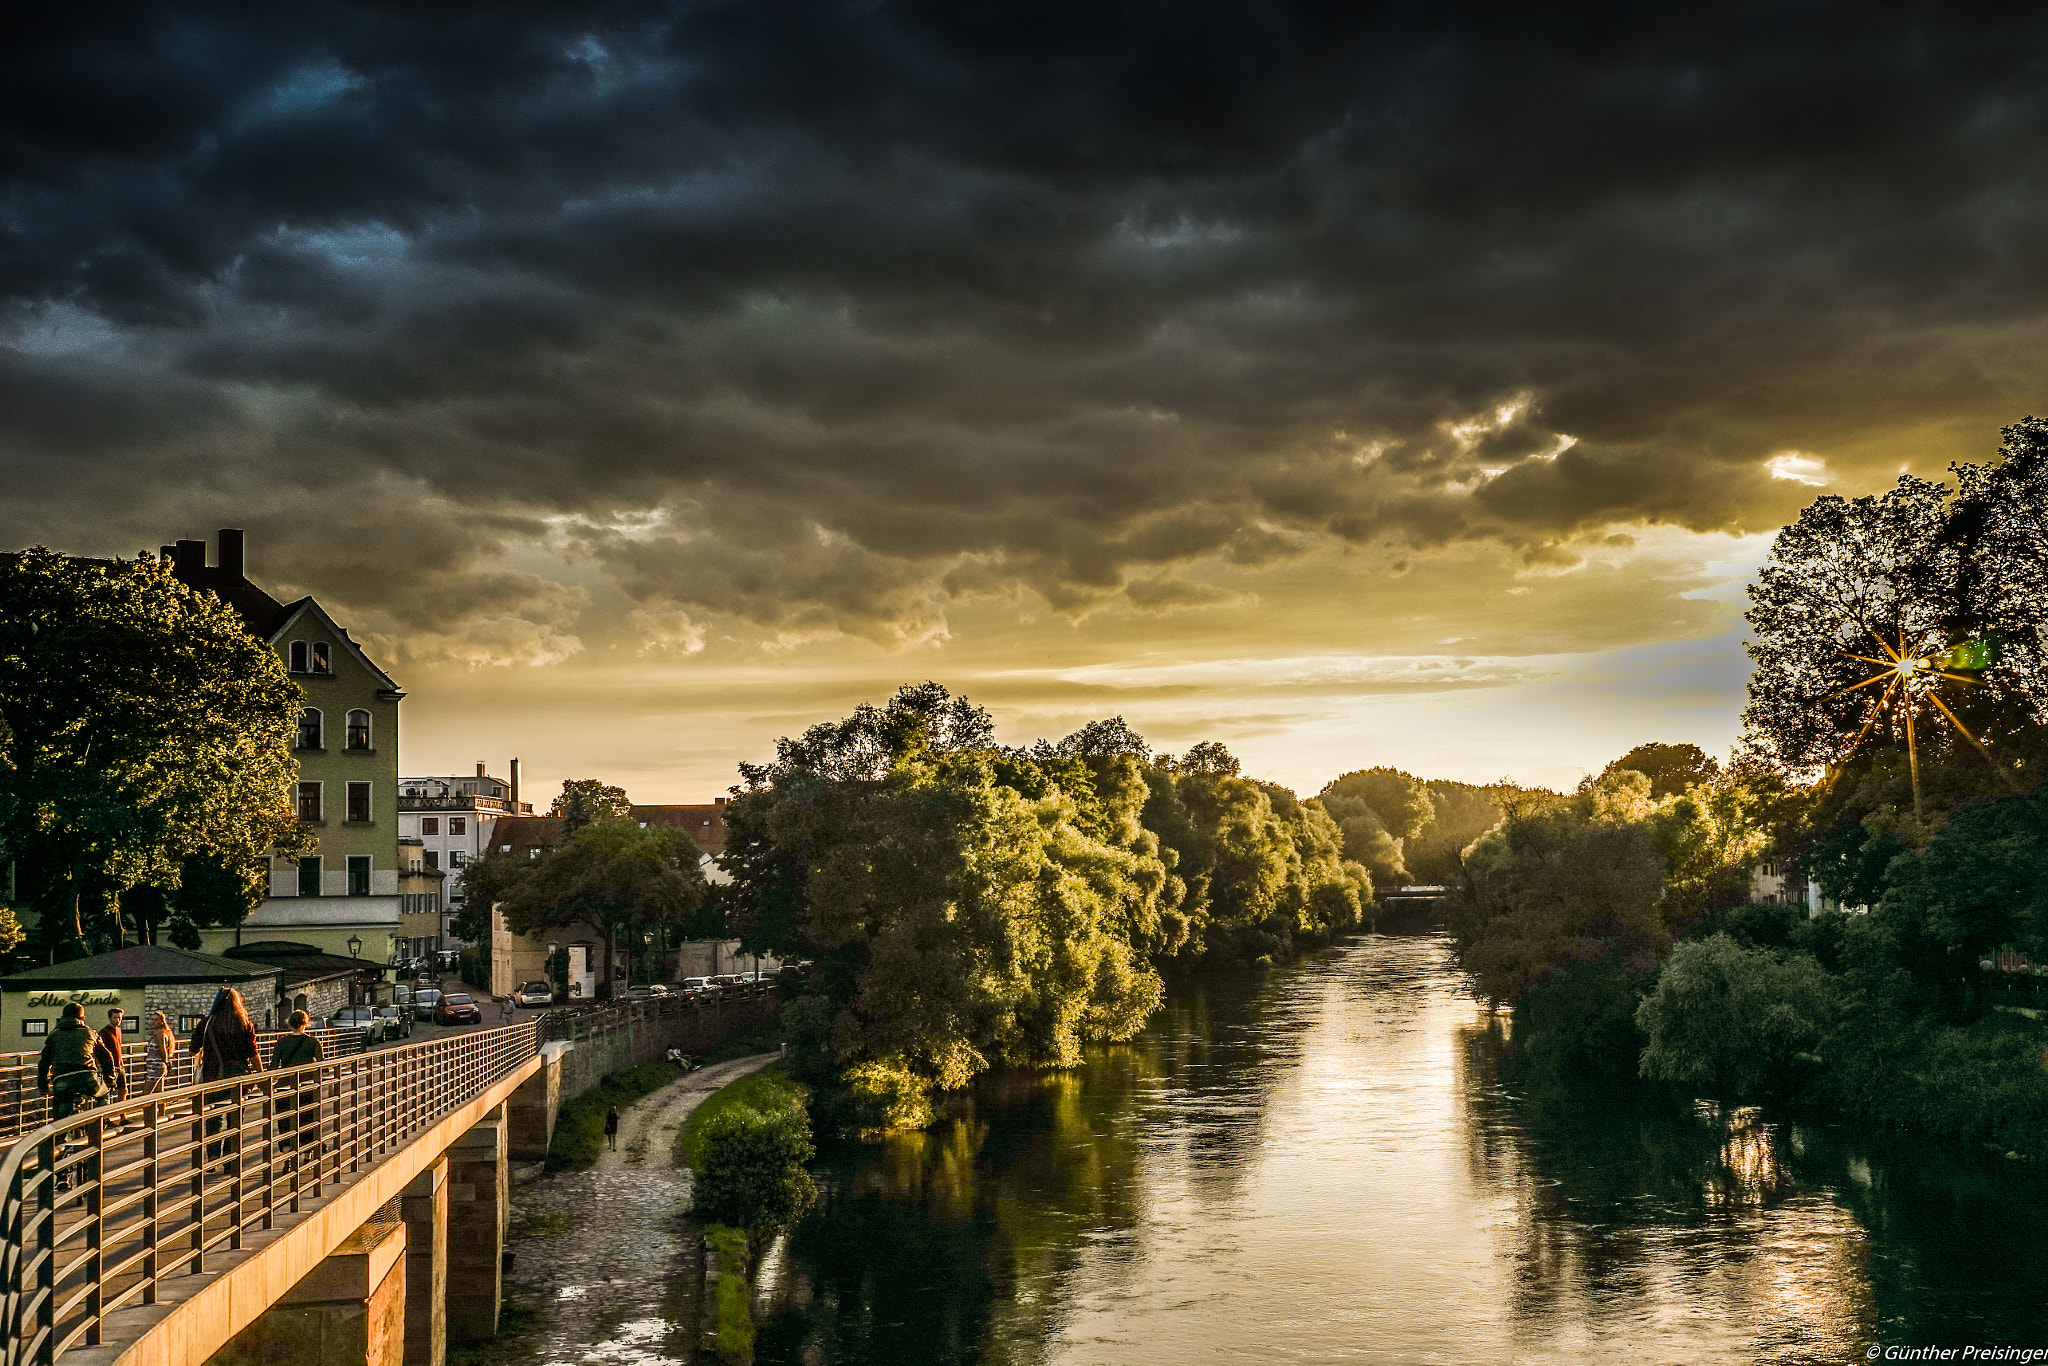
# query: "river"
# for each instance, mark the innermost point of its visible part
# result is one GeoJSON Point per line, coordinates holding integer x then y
{"type": "Point", "coordinates": [1315, 1164]}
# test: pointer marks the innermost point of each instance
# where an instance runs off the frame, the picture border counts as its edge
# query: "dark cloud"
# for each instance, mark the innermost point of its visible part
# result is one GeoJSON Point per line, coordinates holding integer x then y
{"type": "Point", "coordinates": [824, 317]}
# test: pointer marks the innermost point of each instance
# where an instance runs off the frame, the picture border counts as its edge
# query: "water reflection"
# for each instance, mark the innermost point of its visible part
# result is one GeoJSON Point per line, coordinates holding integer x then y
{"type": "Point", "coordinates": [1317, 1165]}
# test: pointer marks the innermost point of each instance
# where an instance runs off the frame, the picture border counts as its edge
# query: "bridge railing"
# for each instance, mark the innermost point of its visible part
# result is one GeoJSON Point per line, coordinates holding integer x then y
{"type": "Point", "coordinates": [100, 1211]}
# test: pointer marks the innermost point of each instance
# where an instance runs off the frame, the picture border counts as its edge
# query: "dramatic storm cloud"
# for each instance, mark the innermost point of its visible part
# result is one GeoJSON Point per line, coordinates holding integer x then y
{"type": "Point", "coordinates": [641, 341]}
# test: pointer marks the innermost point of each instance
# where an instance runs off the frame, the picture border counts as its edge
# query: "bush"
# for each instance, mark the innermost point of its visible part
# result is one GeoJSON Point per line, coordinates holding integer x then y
{"type": "Point", "coordinates": [769, 1091]}
{"type": "Point", "coordinates": [1733, 1023]}
{"type": "Point", "coordinates": [751, 1170]}
{"type": "Point", "coordinates": [579, 1125]}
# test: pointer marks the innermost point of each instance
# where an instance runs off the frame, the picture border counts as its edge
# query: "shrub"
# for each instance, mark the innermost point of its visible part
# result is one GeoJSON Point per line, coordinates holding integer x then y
{"type": "Point", "coordinates": [751, 1170]}
{"type": "Point", "coordinates": [1734, 1023]}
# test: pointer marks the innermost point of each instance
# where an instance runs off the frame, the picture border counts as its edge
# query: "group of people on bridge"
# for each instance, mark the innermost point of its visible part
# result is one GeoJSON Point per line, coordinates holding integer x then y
{"type": "Point", "coordinates": [81, 1067]}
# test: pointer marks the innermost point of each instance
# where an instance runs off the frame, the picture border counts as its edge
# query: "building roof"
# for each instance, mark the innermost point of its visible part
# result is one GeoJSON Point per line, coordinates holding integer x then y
{"type": "Point", "coordinates": [521, 834]}
{"type": "Point", "coordinates": [300, 962]}
{"type": "Point", "coordinates": [138, 964]}
{"type": "Point", "coordinates": [706, 824]}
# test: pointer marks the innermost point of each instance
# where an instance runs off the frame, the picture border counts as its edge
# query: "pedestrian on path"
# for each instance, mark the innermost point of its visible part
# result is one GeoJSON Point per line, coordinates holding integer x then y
{"type": "Point", "coordinates": [224, 1046]}
{"type": "Point", "coordinates": [296, 1049]}
{"type": "Point", "coordinates": [611, 1128]}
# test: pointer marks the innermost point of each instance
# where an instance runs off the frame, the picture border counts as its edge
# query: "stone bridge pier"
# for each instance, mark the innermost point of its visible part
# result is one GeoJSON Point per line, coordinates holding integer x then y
{"type": "Point", "coordinates": [427, 1267]}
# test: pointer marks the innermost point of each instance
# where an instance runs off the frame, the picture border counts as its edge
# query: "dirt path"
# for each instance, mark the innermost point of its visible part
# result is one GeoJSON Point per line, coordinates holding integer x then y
{"type": "Point", "coordinates": [606, 1255]}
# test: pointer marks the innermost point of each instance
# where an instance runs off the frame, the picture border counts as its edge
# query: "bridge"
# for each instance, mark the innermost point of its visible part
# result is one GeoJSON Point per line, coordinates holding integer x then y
{"type": "Point", "coordinates": [351, 1211]}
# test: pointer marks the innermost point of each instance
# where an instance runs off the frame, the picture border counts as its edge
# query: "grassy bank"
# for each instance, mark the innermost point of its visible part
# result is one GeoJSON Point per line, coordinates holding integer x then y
{"type": "Point", "coordinates": [579, 1126]}
{"type": "Point", "coordinates": [768, 1090]}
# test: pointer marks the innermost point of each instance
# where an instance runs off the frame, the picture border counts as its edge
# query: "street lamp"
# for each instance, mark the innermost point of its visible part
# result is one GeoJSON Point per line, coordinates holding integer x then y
{"type": "Point", "coordinates": [355, 945]}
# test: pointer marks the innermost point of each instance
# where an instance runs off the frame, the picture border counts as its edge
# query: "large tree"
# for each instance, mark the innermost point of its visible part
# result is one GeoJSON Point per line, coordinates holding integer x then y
{"type": "Point", "coordinates": [1924, 565]}
{"type": "Point", "coordinates": [141, 726]}
{"type": "Point", "coordinates": [1379, 810]}
{"type": "Point", "coordinates": [583, 800]}
{"type": "Point", "coordinates": [1671, 769]}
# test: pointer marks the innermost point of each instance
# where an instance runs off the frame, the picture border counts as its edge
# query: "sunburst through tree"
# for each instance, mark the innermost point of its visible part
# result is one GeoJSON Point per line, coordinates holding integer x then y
{"type": "Point", "coordinates": [1911, 676]}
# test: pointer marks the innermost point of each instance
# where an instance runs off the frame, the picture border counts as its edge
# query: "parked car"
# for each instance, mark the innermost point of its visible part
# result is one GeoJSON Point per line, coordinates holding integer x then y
{"type": "Point", "coordinates": [694, 985]}
{"type": "Point", "coordinates": [445, 959]}
{"type": "Point", "coordinates": [363, 1018]}
{"type": "Point", "coordinates": [457, 1008]}
{"type": "Point", "coordinates": [423, 1002]}
{"type": "Point", "coordinates": [639, 993]}
{"type": "Point", "coordinates": [535, 994]}
{"type": "Point", "coordinates": [397, 1021]}
{"type": "Point", "coordinates": [726, 979]}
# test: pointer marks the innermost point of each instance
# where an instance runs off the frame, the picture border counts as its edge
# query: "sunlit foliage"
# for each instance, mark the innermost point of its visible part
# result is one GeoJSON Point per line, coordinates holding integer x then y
{"type": "Point", "coordinates": [970, 905]}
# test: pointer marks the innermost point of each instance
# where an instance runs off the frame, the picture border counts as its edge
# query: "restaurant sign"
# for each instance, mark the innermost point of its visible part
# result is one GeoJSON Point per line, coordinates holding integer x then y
{"type": "Point", "coordinates": [52, 1000]}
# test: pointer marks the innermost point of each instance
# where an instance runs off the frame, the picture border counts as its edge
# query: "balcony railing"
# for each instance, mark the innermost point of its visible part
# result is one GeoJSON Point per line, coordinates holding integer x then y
{"type": "Point", "coordinates": [463, 801]}
{"type": "Point", "coordinates": [100, 1211]}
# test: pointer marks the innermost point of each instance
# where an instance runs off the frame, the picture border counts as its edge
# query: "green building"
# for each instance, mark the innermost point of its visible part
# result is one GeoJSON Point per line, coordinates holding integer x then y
{"type": "Point", "coordinates": [347, 793]}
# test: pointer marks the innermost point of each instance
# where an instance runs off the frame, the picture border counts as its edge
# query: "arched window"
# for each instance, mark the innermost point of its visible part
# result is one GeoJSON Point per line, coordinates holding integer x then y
{"type": "Point", "coordinates": [309, 729]}
{"type": "Point", "coordinates": [359, 729]}
{"type": "Point", "coordinates": [298, 657]}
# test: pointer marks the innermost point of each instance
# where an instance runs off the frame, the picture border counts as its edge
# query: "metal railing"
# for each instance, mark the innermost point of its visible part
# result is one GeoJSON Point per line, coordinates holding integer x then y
{"type": "Point", "coordinates": [585, 1018]}
{"type": "Point", "coordinates": [21, 1109]}
{"type": "Point", "coordinates": [101, 1210]}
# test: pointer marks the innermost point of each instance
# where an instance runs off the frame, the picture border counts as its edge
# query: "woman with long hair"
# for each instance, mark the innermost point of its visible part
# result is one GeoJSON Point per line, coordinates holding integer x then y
{"type": "Point", "coordinates": [224, 1046]}
{"type": "Point", "coordinates": [225, 1042]}
{"type": "Point", "coordinates": [160, 1052]}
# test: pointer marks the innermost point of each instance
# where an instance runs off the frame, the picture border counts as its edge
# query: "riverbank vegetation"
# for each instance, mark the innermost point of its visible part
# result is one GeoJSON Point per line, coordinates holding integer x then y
{"type": "Point", "coordinates": [1618, 921]}
{"type": "Point", "coordinates": [971, 905]}
{"type": "Point", "coordinates": [579, 1124]}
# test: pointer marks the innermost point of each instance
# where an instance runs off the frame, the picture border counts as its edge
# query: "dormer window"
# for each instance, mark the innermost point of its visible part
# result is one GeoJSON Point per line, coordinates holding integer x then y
{"type": "Point", "coordinates": [310, 657]}
{"type": "Point", "coordinates": [359, 729]}
{"type": "Point", "coordinates": [309, 729]}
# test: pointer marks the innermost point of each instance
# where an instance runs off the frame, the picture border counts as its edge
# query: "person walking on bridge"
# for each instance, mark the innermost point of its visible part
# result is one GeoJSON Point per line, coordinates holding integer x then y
{"type": "Point", "coordinates": [162, 1051]}
{"type": "Point", "coordinates": [223, 1046]}
{"type": "Point", "coordinates": [111, 1038]}
{"type": "Point", "coordinates": [73, 1068]}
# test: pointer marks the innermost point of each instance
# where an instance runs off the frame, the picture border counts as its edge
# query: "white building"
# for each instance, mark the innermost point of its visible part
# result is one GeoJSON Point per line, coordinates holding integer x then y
{"type": "Point", "coordinates": [452, 817]}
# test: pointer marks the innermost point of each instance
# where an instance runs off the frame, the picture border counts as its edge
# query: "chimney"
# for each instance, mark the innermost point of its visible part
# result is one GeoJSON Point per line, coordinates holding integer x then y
{"type": "Point", "coordinates": [479, 768]}
{"type": "Point", "coordinates": [191, 567]}
{"type": "Point", "coordinates": [231, 542]}
{"type": "Point", "coordinates": [515, 784]}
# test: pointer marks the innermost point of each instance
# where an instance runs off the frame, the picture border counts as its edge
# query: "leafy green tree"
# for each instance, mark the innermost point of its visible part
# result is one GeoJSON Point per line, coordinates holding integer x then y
{"type": "Point", "coordinates": [1572, 882]}
{"type": "Point", "coordinates": [1671, 769]}
{"type": "Point", "coordinates": [584, 800]}
{"type": "Point", "coordinates": [1850, 861]}
{"type": "Point", "coordinates": [1980, 887]}
{"type": "Point", "coordinates": [751, 1174]}
{"type": "Point", "coordinates": [610, 873]}
{"type": "Point", "coordinates": [1732, 1023]}
{"type": "Point", "coordinates": [1459, 814]}
{"type": "Point", "coordinates": [140, 725]}
{"type": "Point", "coordinates": [1379, 810]}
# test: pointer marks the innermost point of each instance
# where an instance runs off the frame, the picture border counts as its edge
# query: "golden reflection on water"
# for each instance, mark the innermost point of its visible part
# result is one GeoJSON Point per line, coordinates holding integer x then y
{"type": "Point", "coordinates": [1323, 1168]}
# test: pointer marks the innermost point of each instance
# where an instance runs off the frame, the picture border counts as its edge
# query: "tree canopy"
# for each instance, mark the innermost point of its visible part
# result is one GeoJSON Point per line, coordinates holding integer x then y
{"type": "Point", "coordinates": [1921, 563]}
{"type": "Point", "coordinates": [141, 727]}
{"type": "Point", "coordinates": [1671, 769]}
{"type": "Point", "coordinates": [583, 800]}
{"type": "Point", "coordinates": [970, 904]}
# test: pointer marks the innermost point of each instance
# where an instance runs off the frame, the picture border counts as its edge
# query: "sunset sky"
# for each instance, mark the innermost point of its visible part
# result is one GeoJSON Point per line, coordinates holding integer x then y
{"type": "Point", "coordinates": [1413, 385]}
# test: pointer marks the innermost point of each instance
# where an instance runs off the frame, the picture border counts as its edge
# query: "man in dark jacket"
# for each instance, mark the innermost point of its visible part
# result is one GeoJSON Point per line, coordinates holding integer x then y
{"type": "Point", "coordinates": [73, 1064]}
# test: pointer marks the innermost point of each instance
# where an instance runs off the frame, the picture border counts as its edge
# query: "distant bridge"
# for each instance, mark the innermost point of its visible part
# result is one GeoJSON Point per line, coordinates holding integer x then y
{"type": "Point", "coordinates": [351, 1210]}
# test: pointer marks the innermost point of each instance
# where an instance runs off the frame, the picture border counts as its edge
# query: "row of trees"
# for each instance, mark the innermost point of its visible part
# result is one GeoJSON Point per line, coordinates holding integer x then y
{"type": "Point", "coordinates": [971, 905]}
{"type": "Point", "coordinates": [1617, 922]}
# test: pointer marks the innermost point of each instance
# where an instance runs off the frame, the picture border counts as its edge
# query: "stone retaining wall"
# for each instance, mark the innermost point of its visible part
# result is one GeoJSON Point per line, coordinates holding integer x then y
{"type": "Point", "coordinates": [611, 1040]}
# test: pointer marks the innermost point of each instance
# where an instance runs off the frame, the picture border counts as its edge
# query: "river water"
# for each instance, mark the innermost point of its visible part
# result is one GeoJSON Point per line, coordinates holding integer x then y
{"type": "Point", "coordinates": [1315, 1164]}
